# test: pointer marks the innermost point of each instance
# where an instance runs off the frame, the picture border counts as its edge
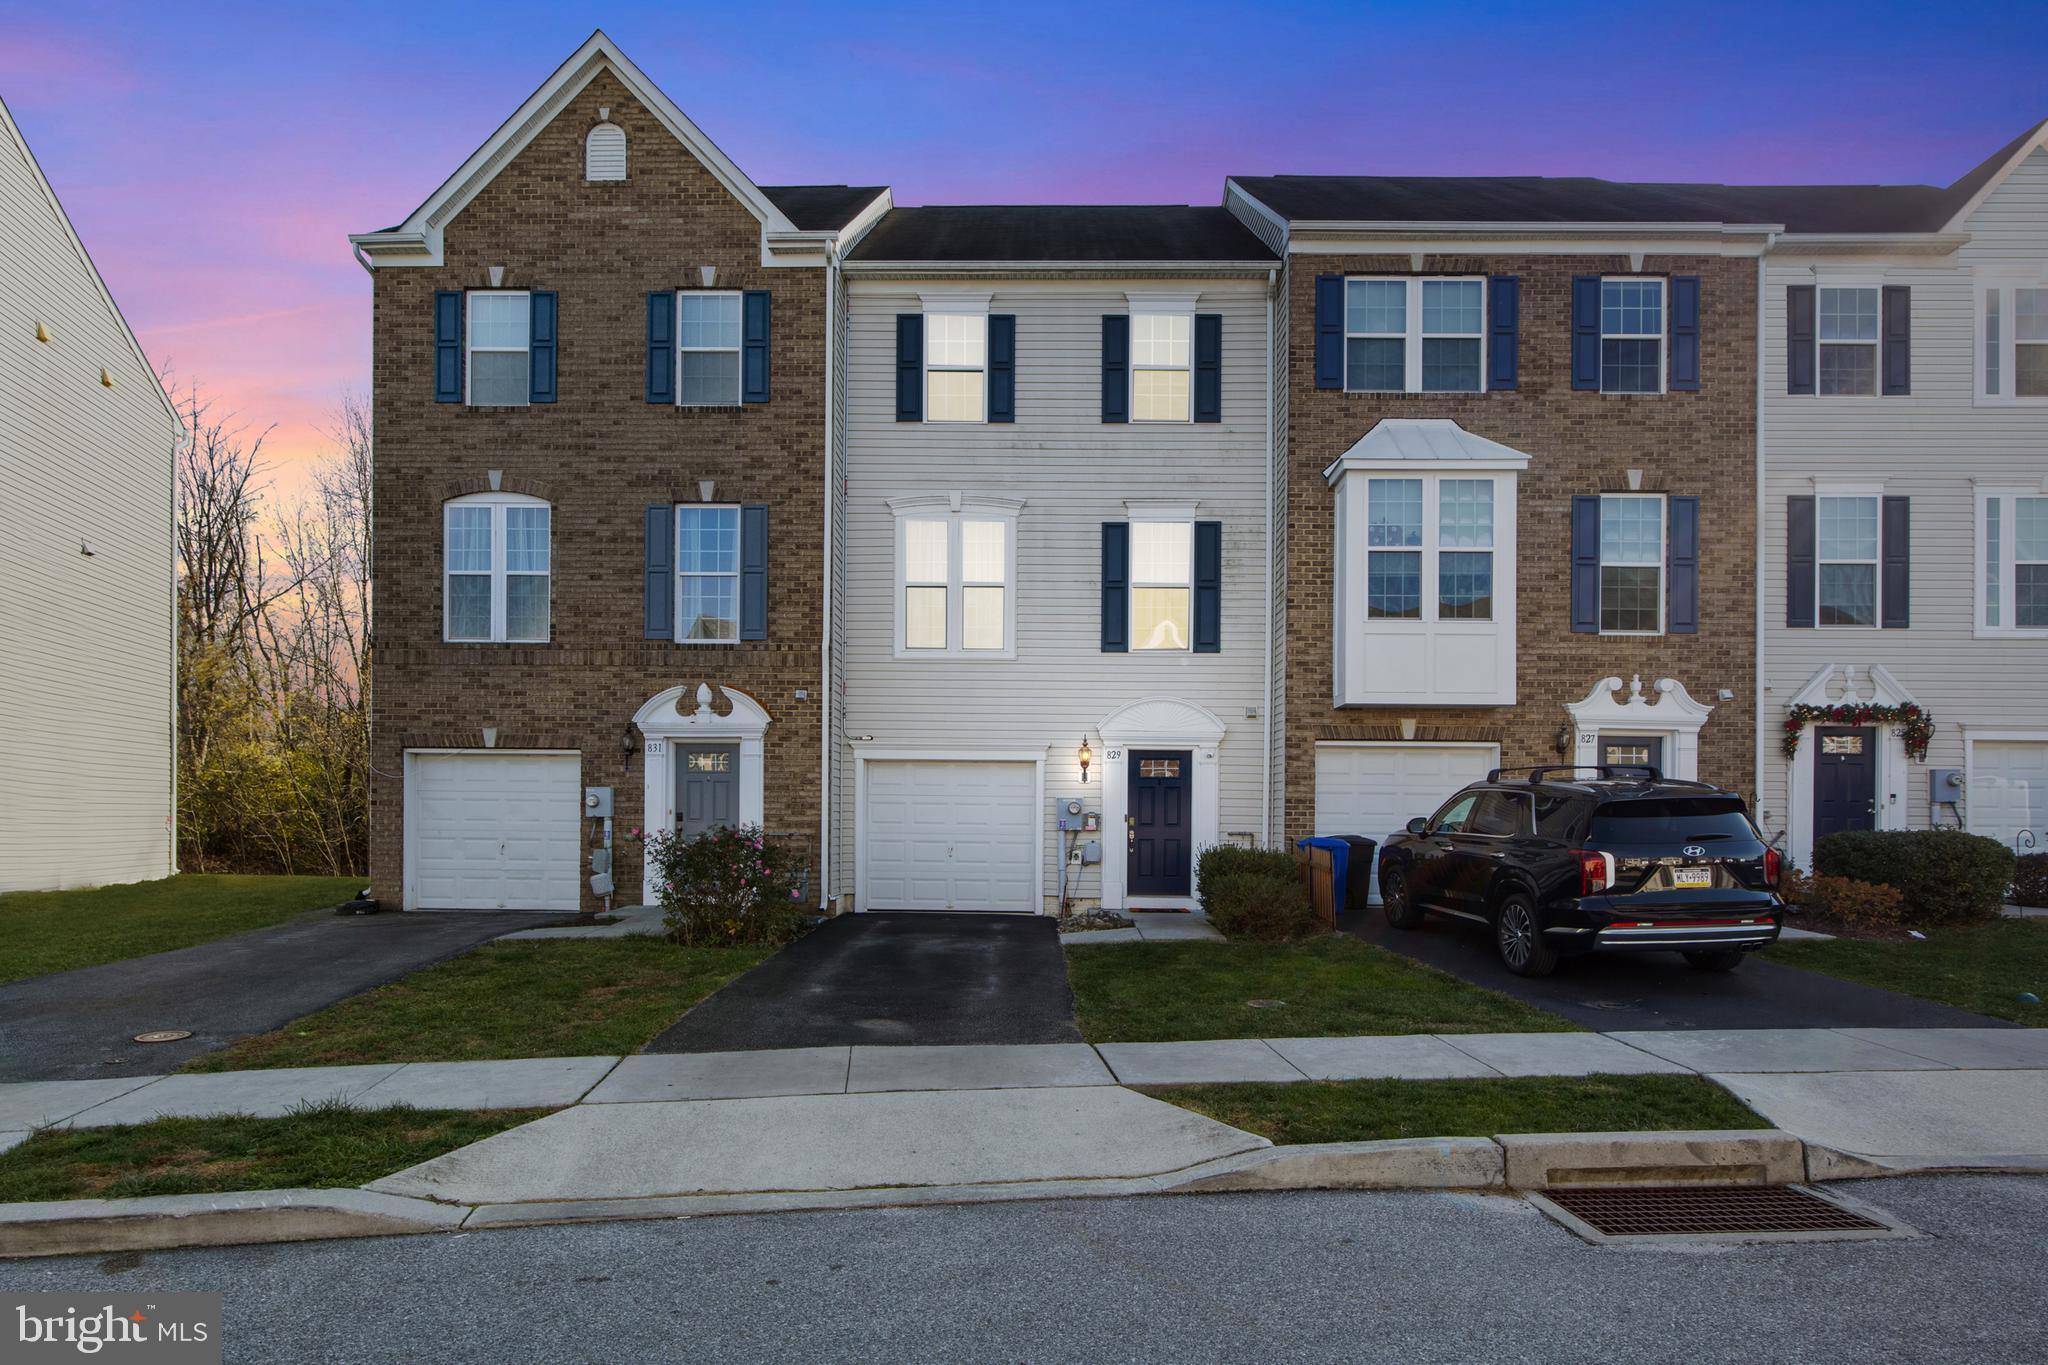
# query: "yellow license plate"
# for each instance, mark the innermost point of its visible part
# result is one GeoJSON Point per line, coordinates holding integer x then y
{"type": "Point", "coordinates": [1692, 876]}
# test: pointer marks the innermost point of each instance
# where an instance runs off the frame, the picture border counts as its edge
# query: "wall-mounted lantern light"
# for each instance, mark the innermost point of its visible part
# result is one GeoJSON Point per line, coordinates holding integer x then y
{"type": "Point", "coordinates": [629, 741]}
{"type": "Point", "coordinates": [1564, 740]}
{"type": "Point", "coordinates": [1087, 756]}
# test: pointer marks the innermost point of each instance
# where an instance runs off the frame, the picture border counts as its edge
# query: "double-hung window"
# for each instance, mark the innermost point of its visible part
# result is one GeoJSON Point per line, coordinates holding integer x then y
{"type": "Point", "coordinates": [2013, 531]}
{"type": "Point", "coordinates": [956, 367]}
{"type": "Point", "coordinates": [496, 569]}
{"type": "Point", "coordinates": [707, 349]}
{"type": "Point", "coordinates": [1402, 537]}
{"type": "Point", "coordinates": [955, 570]}
{"type": "Point", "coordinates": [1414, 335]}
{"type": "Point", "coordinates": [1847, 337]}
{"type": "Point", "coordinates": [707, 574]}
{"type": "Point", "coordinates": [1631, 564]}
{"type": "Point", "coordinates": [1162, 584]}
{"type": "Point", "coordinates": [500, 337]}
{"type": "Point", "coordinates": [2013, 360]}
{"type": "Point", "coordinates": [1846, 560]}
{"type": "Point", "coordinates": [1631, 336]}
{"type": "Point", "coordinates": [1162, 352]}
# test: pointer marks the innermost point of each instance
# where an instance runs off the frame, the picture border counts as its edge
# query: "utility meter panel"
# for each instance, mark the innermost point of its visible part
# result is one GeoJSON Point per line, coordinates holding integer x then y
{"type": "Point", "coordinates": [1945, 786]}
{"type": "Point", "coordinates": [597, 803]}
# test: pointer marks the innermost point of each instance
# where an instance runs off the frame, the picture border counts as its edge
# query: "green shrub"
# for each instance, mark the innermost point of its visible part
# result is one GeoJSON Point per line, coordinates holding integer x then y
{"type": "Point", "coordinates": [1266, 906]}
{"type": "Point", "coordinates": [2030, 880]}
{"type": "Point", "coordinates": [1948, 877]}
{"type": "Point", "coordinates": [1865, 905]}
{"type": "Point", "coordinates": [1229, 860]}
{"type": "Point", "coordinates": [727, 886]}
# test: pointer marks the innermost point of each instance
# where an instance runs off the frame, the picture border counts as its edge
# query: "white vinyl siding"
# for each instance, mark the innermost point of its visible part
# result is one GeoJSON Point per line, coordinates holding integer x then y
{"type": "Point", "coordinates": [86, 645]}
{"type": "Point", "coordinates": [1940, 446]}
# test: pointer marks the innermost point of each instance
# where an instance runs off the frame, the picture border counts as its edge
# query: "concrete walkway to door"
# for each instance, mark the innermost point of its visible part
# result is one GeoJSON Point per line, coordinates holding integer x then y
{"type": "Point", "coordinates": [893, 978]}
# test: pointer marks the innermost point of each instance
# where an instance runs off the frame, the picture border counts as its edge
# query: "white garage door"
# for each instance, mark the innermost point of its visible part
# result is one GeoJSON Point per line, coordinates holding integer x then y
{"type": "Point", "coordinates": [2009, 790]}
{"type": "Point", "coordinates": [494, 831]}
{"type": "Point", "coordinates": [1376, 789]}
{"type": "Point", "coordinates": [951, 836]}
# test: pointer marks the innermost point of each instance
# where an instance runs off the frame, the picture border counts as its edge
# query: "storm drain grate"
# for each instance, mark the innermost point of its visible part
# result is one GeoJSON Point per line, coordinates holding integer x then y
{"type": "Point", "coordinates": [1695, 1211]}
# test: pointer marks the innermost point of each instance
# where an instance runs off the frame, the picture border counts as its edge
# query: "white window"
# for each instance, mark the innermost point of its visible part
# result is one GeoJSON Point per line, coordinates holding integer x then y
{"type": "Point", "coordinates": [2012, 528]}
{"type": "Point", "coordinates": [707, 349]}
{"type": "Point", "coordinates": [500, 326]}
{"type": "Point", "coordinates": [707, 574]}
{"type": "Point", "coordinates": [1631, 564]}
{"type": "Point", "coordinates": [604, 153]}
{"type": "Point", "coordinates": [1162, 584]}
{"type": "Point", "coordinates": [496, 569]}
{"type": "Point", "coordinates": [1162, 351]}
{"type": "Point", "coordinates": [1846, 554]}
{"type": "Point", "coordinates": [1847, 338]}
{"type": "Point", "coordinates": [2013, 360]}
{"type": "Point", "coordinates": [1407, 548]}
{"type": "Point", "coordinates": [1631, 336]}
{"type": "Point", "coordinates": [1392, 345]}
{"type": "Point", "coordinates": [955, 569]}
{"type": "Point", "coordinates": [956, 367]}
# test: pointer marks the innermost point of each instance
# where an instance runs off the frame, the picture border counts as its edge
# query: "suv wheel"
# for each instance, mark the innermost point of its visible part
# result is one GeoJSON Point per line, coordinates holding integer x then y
{"type": "Point", "coordinates": [1715, 960]}
{"type": "Point", "coordinates": [1401, 911]}
{"type": "Point", "coordinates": [1520, 938]}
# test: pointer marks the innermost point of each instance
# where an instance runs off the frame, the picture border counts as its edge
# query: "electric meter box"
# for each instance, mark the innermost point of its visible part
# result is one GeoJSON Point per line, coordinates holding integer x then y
{"type": "Point", "coordinates": [597, 803]}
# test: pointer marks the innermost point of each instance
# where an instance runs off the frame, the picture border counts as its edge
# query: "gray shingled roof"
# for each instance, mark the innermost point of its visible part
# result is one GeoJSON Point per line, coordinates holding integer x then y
{"type": "Point", "coordinates": [1060, 232]}
{"type": "Point", "coordinates": [821, 208]}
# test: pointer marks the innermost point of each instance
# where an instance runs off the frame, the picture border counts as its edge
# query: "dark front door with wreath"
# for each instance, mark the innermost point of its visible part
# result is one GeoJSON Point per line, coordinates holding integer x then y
{"type": "Point", "coordinates": [1844, 780]}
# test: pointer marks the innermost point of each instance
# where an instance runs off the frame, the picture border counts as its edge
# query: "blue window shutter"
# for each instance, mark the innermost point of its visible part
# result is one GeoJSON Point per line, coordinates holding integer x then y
{"type": "Point", "coordinates": [1585, 331]}
{"type": "Point", "coordinates": [1682, 608]}
{"type": "Point", "coordinates": [1586, 565]}
{"type": "Point", "coordinates": [1504, 331]}
{"type": "Point", "coordinates": [1896, 557]}
{"type": "Point", "coordinates": [754, 346]}
{"type": "Point", "coordinates": [1116, 367]}
{"type": "Point", "coordinates": [660, 621]}
{"type": "Point", "coordinates": [540, 344]}
{"type": "Point", "coordinates": [448, 346]}
{"type": "Point", "coordinates": [1208, 587]}
{"type": "Point", "coordinates": [1799, 355]}
{"type": "Point", "coordinates": [1685, 333]}
{"type": "Point", "coordinates": [1898, 339]}
{"type": "Point", "coordinates": [1799, 563]}
{"type": "Point", "coordinates": [661, 346]}
{"type": "Point", "coordinates": [754, 571]}
{"type": "Point", "coordinates": [1116, 587]}
{"type": "Point", "coordinates": [910, 367]}
{"type": "Point", "coordinates": [1002, 367]}
{"type": "Point", "coordinates": [1208, 367]}
{"type": "Point", "coordinates": [1329, 331]}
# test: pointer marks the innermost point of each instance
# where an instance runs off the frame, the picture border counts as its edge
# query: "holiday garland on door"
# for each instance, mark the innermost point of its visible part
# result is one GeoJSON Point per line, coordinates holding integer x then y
{"type": "Point", "coordinates": [1916, 727]}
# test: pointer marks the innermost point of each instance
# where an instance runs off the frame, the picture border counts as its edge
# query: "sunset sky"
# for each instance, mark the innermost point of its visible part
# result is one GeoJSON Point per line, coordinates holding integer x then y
{"type": "Point", "coordinates": [214, 157]}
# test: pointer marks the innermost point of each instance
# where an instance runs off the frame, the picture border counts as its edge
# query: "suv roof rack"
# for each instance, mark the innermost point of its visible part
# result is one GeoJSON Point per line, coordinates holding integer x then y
{"type": "Point", "coordinates": [1643, 772]}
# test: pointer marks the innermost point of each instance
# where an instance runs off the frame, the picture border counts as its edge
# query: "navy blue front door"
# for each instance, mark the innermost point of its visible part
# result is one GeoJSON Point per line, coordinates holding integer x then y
{"type": "Point", "coordinates": [1844, 781]}
{"type": "Point", "coordinates": [1158, 846]}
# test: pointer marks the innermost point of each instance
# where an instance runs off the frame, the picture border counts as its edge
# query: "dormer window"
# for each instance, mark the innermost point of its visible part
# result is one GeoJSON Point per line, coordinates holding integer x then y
{"type": "Point", "coordinates": [604, 153]}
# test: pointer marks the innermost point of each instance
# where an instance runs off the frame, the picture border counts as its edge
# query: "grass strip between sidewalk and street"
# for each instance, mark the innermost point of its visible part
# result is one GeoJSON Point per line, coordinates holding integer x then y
{"type": "Point", "coordinates": [321, 1146]}
{"type": "Point", "coordinates": [1332, 986]}
{"type": "Point", "coordinates": [1369, 1111]}
{"type": "Point", "coordinates": [1983, 968]}
{"type": "Point", "coordinates": [535, 998]}
{"type": "Point", "coordinates": [59, 931]}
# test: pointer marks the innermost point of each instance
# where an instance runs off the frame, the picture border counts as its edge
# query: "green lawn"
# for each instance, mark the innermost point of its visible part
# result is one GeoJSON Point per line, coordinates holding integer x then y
{"type": "Point", "coordinates": [1326, 987]}
{"type": "Point", "coordinates": [1364, 1111]}
{"type": "Point", "coordinates": [322, 1146]}
{"type": "Point", "coordinates": [539, 998]}
{"type": "Point", "coordinates": [56, 931]}
{"type": "Point", "coordinates": [1982, 968]}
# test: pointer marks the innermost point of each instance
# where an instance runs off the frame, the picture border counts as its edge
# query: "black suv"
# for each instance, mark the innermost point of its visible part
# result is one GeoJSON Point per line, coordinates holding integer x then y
{"type": "Point", "coordinates": [1557, 863]}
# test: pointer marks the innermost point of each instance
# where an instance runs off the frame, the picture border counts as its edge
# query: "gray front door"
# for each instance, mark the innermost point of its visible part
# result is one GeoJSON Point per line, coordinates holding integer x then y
{"type": "Point", "coordinates": [707, 787]}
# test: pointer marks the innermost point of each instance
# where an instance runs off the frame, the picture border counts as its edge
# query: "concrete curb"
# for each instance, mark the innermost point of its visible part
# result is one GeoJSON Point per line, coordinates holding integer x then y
{"type": "Point", "coordinates": [1827, 1163]}
{"type": "Point", "coordinates": [71, 1226]}
{"type": "Point", "coordinates": [1545, 1161]}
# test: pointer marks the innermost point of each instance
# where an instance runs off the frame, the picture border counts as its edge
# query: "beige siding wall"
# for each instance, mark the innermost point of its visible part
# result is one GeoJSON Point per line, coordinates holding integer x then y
{"type": "Point", "coordinates": [86, 652]}
{"type": "Point", "coordinates": [1073, 473]}
{"type": "Point", "coordinates": [1930, 447]}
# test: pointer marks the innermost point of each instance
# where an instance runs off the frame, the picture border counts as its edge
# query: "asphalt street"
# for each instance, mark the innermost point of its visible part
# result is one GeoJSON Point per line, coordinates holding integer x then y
{"type": "Point", "coordinates": [1308, 1276]}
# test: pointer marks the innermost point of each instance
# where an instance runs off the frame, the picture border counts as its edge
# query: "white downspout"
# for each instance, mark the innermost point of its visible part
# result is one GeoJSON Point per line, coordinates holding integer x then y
{"type": "Point", "coordinates": [1266, 760]}
{"type": "Point", "coordinates": [825, 630]}
{"type": "Point", "coordinates": [1762, 554]}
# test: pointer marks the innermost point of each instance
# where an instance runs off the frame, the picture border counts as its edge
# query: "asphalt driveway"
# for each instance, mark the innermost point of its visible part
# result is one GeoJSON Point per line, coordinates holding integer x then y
{"type": "Point", "coordinates": [1659, 991]}
{"type": "Point", "coordinates": [77, 1025]}
{"type": "Point", "coordinates": [904, 978]}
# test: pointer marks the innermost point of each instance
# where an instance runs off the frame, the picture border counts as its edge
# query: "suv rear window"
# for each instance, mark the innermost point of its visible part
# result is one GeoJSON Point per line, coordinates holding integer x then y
{"type": "Point", "coordinates": [1671, 820]}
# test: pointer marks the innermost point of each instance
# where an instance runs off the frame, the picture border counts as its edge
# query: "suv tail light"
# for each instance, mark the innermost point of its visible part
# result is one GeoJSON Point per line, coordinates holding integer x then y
{"type": "Point", "coordinates": [1774, 866]}
{"type": "Point", "coordinates": [1596, 871]}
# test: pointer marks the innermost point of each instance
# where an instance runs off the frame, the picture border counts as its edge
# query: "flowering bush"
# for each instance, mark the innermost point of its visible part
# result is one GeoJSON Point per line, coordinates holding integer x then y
{"type": "Point", "coordinates": [726, 886]}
